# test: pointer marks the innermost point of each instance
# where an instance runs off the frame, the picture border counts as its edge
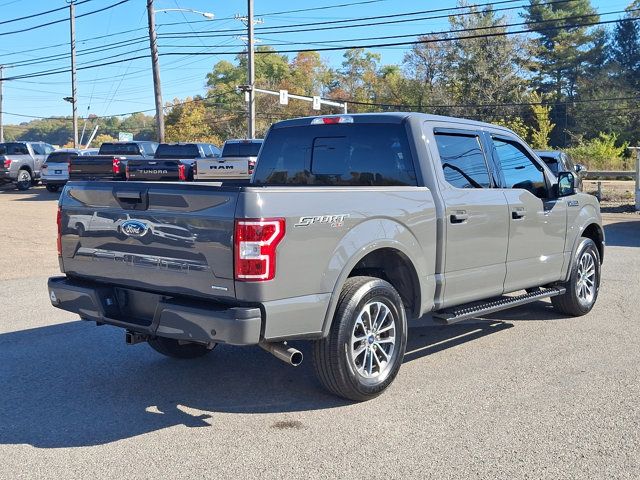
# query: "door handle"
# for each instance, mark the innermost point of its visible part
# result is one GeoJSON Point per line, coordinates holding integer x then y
{"type": "Point", "coordinates": [459, 218]}
{"type": "Point", "coordinates": [518, 214]}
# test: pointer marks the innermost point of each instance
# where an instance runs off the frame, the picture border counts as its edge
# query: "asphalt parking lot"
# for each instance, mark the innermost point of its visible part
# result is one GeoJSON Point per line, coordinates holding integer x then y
{"type": "Point", "coordinates": [524, 394]}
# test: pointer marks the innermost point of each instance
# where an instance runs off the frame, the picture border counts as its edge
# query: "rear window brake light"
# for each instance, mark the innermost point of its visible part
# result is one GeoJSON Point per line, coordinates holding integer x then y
{"type": "Point", "coordinates": [332, 120]}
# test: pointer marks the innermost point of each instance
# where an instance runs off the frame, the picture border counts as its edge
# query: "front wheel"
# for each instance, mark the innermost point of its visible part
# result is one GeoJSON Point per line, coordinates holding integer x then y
{"type": "Point", "coordinates": [366, 344]}
{"type": "Point", "coordinates": [176, 349]}
{"type": "Point", "coordinates": [23, 182]}
{"type": "Point", "coordinates": [584, 282]}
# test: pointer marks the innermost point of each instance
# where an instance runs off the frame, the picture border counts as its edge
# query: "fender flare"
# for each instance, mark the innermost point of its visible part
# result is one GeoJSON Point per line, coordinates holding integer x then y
{"type": "Point", "coordinates": [364, 250]}
{"type": "Point", "coordinates": [586, 223]}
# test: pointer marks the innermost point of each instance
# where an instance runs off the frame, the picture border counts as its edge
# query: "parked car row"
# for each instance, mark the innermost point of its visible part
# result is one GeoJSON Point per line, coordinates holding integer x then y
{"type": "Point", "coordinates": [26, 163]}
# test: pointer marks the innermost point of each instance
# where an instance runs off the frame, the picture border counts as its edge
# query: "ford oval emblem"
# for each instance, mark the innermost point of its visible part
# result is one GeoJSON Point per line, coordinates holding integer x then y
{"type": "Point", "coordinates": [134, 228]}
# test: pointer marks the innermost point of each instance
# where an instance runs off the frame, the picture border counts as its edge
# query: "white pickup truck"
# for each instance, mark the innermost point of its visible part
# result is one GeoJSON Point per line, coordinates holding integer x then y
{"type": "Point", "coordinates": [237, 162]}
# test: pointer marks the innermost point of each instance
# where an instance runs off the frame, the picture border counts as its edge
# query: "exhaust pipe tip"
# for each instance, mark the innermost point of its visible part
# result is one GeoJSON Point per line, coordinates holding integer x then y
{"type": "Point", "coordinates": [283, 352]}
{"type": "Point", "coordinates": [296, 358]}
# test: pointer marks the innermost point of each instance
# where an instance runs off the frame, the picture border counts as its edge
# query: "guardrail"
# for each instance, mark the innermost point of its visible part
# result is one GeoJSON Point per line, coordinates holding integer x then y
{"type": "Point", "coordinates": [610, 174]}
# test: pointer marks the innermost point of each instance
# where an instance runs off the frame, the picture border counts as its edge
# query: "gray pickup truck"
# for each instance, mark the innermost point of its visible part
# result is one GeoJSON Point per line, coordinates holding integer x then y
{"type": "Point", "coordinates": [351, 227]}
{"type": "Point", "coordinates": [21, 162]}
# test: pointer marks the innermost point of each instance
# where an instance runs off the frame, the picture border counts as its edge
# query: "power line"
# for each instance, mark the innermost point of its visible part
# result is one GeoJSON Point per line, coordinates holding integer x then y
{"type": "Point", "coordinates": [39, 13]}
{"type": "Point", "coordinates": [63, 19]}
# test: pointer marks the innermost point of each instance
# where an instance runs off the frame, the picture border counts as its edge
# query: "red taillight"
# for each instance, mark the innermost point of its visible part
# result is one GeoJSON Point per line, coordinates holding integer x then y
{"type": "Point", "coordinates": [255, 242]}
{"type": "Point", "coordinates": [116, 166]}
{"type": "Point", "coordinates": [252, 166]}
{"type": "Point", "coordinates": [182, 172]}
{"type": "Point", "coordinates": [69, 166]}
{"type": "Point", "coordinates": [126, 171]}
{"type": "Point", "coordinates": [7, 163]}
{"type": "Point", "coordinates": [194, 169]}
{"type": "Point", "coordinates": [59, 222]}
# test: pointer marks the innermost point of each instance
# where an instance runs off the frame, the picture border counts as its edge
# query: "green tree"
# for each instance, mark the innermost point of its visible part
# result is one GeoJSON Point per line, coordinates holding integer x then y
{"type": "Point", "coordinates": [486, 70]}
{"type": "Point", "coordinates": [541, 133]}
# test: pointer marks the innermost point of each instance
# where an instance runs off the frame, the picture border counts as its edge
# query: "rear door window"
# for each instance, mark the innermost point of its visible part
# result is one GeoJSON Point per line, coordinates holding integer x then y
{"type": "Point", "coordinates": [345, 154]}
{"type": "Point", "coordinates": [13, 149]}
{"type": "Point", "coordinates": [462, 160]}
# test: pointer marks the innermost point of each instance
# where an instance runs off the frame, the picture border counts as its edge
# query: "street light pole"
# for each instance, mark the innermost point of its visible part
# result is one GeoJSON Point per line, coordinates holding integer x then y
{"type": "Point", "coordinates": [155, 65]}
{"type": "Point", "coordinates": [74, 90]}
{"type": "Point", "coordinates": [251, 120]}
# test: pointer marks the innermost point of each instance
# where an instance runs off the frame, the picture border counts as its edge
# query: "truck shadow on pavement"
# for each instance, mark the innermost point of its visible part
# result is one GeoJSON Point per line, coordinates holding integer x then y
{"type": "Point", "coordinates": [75, 384]}
{"type": "Point", "coordinates": [623, 234]}
{"type": "Point", "coordinates": [34, 194]}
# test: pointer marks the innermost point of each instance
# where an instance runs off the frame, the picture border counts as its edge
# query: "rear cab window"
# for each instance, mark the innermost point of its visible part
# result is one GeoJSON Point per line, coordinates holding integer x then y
{"type": "Point", "coordinates": [190, 150]}
{"type": "Point", "coordinates": [350, 154]}
{"type": "Point", "coordinates": [119, 149]}
{"type": "Point", "coordinates": [241, 149]}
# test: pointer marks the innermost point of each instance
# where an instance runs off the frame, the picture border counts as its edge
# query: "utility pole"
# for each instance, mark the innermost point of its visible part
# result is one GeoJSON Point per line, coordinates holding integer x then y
{"type": "Point", "coordinates": [74, 89]}
{"type": "Point", "coordinates": [153, 43]}
{"type": "Point", "coordinates": [1, 88]}
{"type": "Point", "coordinates": [251, 120]}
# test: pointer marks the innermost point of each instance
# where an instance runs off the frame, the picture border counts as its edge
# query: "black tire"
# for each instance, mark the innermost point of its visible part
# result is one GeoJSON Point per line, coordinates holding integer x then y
{"type": "Point", "coordinates": [23, 182]}
{"type": "Point", "coordinates": [334, 358]}
{"type": "Point", "coordinates": [80, 229]}
{"type": "Point", "coordinates": [174, 349]}
{"type": "Point", "coordinates": [52, 188]}
{"type": "Point", "coordinates": [573, 302]}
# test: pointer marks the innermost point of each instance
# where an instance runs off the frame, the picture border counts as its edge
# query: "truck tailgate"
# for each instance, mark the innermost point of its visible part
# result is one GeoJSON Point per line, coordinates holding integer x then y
{"type": "Point", "coordinates": [156, 170]}
{"type": "Point", "coordinates": [171, 238]}
{"type": "Point", "coordinates": [222, 168]}
{"type": "Point", "coordinates": [93, 167]}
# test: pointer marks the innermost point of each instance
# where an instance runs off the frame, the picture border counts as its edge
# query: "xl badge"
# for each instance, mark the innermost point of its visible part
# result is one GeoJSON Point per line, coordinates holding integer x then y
{"type": "Point", "coordinates": [336, 221]}
{"type": "Point", "coordinates": [134, 228]}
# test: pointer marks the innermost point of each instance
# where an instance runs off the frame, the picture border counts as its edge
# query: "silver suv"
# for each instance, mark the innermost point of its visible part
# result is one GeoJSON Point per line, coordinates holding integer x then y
{"type": "Point", "coordinates": [55, 170]}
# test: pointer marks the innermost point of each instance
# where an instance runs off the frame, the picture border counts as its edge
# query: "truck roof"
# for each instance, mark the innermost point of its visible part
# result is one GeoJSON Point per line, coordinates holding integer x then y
{"type": "Point", "coordinates": [389, 117]}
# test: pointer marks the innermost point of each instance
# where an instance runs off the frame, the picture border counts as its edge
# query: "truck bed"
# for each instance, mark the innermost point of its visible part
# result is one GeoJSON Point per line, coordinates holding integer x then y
{"type": "Point", "coordinates": [97, 167]}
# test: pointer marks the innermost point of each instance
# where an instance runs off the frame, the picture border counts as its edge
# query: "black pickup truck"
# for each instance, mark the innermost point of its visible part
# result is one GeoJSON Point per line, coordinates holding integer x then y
{"type": "Point", "coordinates": [171, 162]}
{"type": "Point", "coordinates": [111, 161]}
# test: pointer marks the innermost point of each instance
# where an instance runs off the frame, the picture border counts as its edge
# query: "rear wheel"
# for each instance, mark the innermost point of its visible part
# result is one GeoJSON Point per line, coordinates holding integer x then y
{"type": "Point", "coordinates": [23, 182]}
{"type": "Point", "coordinates": [52, 188]}
{"type": "Point", "coordinates": [176, 349]}
{"type": "Point", "coordinates": [366, 344]}
{"type": "Point", "coordinates": [584, 282]}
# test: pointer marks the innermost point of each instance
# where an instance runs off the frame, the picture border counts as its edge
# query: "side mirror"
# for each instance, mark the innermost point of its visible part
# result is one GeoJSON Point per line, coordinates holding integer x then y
{"type": "Point", "coordinates": [581, 170]}
{"type": "Point", "coordinates": [566, 184]}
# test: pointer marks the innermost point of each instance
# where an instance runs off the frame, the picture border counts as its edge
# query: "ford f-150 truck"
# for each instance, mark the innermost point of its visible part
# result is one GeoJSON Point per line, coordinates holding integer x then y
{"type": "Point", "coordinates": [111, 161]}
{"type": "Point", "coordinates": [171, 162]}
{"type": "Point", "coordinates": [352, 226]}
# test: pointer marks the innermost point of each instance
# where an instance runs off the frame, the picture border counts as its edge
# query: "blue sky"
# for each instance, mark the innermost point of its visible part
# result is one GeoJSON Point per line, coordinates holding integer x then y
{"type": "Point", "coordinates": [128, 87]}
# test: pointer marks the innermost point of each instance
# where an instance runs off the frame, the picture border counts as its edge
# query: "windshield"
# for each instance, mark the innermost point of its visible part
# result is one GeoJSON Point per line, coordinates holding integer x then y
{"type": "Point", "coordinates": [243, 149]}
{"type": "Point", "coordinates": [189, 150]}
{"type": "Point", "coordinates": [13, 149]}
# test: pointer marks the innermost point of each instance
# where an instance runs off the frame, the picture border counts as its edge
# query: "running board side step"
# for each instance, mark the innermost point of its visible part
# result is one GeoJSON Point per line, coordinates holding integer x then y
{"type": "Point", "coordinates": [462, 312]}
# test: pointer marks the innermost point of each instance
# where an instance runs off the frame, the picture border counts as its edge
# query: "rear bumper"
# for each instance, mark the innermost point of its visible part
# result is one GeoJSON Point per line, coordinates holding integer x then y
{"type": "Point", "coordinates": [52, 181]}
{"type": "Point", "coordinates": [6, 176]}
{"type": "Point", "coordinates": [202, 322]}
